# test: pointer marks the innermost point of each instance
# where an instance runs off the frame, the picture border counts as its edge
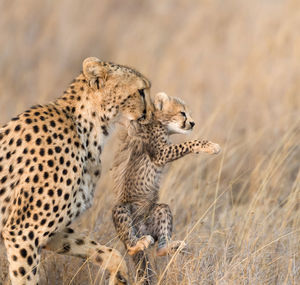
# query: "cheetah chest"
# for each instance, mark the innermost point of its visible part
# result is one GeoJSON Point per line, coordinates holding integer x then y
{"type": "Point", "coordinates": [88, 185]}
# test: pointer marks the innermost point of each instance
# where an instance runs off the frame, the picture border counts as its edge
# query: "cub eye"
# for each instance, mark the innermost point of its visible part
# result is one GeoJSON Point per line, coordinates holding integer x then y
{"type": "Point", "coordinates": [142, 93]}
{"type": "Point", "coordinates": [183, 114]}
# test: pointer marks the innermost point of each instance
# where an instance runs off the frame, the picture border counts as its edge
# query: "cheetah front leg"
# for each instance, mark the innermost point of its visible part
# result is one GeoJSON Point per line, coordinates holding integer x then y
{"type": "Point", "coordinates": [23, 253]}
{"type": "Point", "coordinates": [126, 232]}
{"type": "Point", "coordinates": [71, 243]}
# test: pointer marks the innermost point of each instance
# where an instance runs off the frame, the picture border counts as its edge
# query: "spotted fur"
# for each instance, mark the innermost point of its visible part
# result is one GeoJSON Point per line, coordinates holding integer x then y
{"type": "Point", "coordinates": [50, 164]}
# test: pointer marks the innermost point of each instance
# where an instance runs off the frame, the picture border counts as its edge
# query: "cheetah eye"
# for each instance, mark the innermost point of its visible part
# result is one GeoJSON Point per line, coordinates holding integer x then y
{"type": "Point", "coordinates": [183, 114]}
{"type": "Point", "coordinates": [142, 93]}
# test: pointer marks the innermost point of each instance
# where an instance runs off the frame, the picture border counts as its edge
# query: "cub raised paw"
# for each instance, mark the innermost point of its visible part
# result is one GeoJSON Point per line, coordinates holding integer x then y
{"type": "Point", "coordinates": [206, 146]}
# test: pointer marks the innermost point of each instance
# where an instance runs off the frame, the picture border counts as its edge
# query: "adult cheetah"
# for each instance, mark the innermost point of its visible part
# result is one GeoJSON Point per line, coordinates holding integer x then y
{"type": "Point", "coordinates": [138, 166]}
{"type": "Point", "coordinates": [50, 163]}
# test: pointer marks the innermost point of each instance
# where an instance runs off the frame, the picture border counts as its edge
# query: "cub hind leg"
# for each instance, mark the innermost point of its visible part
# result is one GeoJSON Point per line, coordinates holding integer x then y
{"type": "Point", "coordinates": [126, 230]}
{"type": "Point", "coordinates": [160, 225]}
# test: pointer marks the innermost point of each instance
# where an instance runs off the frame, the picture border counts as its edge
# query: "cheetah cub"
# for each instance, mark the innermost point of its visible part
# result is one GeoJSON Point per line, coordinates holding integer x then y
{"type": "Point", "coordinates": [138, 165]}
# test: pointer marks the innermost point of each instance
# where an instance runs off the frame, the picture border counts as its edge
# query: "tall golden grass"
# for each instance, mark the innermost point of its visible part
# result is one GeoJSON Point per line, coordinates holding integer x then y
{"type": "Point", "coordinates": [237, 65]}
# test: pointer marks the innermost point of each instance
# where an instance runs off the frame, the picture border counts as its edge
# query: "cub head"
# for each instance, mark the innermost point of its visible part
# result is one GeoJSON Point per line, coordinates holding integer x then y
{"type": "Point", "coordinates": [119, 89]}
{"type": "Point", "coordinates": [173, 113]}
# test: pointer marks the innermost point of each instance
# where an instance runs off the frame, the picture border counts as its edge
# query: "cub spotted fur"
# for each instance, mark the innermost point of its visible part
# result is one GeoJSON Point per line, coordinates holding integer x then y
{"type": "Point", "coordinates": [138, 165]}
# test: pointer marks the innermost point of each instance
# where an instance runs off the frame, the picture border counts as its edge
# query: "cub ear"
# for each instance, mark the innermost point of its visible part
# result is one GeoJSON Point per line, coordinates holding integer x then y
{"type": "Point", "coordinates": [95, 72]}
{"type": "Point", "coordinates": [160, 99]}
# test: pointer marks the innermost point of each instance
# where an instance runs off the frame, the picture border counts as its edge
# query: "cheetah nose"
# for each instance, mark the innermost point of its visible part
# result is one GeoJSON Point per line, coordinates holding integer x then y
{"type": "Point", "coordinates": [192, 124]}
{"type": "Point", "coordinates": [143, 117]}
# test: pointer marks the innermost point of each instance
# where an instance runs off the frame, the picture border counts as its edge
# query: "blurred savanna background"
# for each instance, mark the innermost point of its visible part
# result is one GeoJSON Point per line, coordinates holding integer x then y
{"type": "Point", "coordinates": [237, 65]}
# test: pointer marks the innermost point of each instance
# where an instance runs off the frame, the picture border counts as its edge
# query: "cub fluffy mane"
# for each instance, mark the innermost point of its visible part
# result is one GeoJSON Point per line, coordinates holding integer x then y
{"type": "Point", "coordinates": [130, 149]}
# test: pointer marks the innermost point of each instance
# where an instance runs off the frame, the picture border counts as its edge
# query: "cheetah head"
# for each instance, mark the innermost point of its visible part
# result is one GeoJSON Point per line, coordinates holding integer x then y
{"type": "Point", "coordinates": [118, 89]}
{"type": "Point", "coordinates": [173, 113]}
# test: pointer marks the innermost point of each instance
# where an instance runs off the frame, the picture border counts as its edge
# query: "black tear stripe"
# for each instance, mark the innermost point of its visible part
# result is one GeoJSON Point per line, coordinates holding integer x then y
{"type": "Point", "coordinates": [184, 123]}
{"type": "Point", "coordinates": [142, 93]}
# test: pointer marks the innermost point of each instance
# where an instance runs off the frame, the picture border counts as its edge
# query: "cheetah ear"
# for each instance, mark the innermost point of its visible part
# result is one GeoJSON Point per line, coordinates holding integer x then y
{"type": "Point", "coordinates": [95, 72]}
{"type": "Point", "coordinates": [160, 99]}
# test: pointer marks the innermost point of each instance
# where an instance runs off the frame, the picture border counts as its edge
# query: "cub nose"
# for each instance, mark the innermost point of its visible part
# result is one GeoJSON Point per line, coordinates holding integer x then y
{"type": "Point", "coordinates": [192, 124]}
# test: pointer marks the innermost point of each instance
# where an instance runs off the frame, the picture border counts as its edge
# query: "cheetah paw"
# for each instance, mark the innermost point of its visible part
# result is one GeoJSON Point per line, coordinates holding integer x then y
{"type": "Point", "coordinates": [171, 248]}
{"type": "Point", "coordinates": [143, 243]}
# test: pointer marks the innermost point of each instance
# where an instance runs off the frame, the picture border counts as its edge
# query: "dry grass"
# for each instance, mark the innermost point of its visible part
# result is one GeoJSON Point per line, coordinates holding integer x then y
{"type": "Point", "coordinates": [236, 63]}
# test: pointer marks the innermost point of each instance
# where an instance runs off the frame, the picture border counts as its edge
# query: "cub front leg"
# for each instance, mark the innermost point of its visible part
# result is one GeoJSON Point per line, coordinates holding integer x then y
{"type": "Point", "coordinates": [168, 153]}
{"type": "Point", "coordinates": [71, 243]}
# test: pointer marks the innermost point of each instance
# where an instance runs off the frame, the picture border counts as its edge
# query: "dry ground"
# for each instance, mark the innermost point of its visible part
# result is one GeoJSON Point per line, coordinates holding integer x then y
{"type": "Point", "coordinates": [237, 64]}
